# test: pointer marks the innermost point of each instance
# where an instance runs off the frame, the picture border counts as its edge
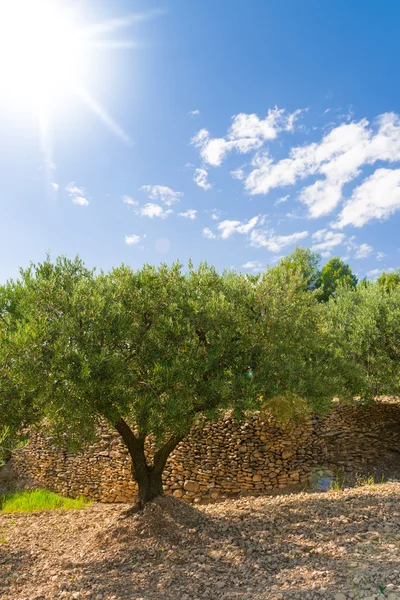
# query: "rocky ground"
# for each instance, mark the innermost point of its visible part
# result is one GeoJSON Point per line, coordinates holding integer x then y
{"type": "Point", "coordinates": [337, 545]}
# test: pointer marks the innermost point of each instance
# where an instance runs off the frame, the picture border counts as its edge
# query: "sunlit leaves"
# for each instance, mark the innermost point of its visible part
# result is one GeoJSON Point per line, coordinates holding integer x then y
{"type": "Point", "coordinates": [365, 325]}
{"type": "Point", "coordinates": [162, 346]}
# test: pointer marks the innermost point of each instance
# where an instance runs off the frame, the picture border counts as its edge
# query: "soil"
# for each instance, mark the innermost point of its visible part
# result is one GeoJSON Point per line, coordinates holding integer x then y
{"type": "Point", "coordinates": [334, 545]}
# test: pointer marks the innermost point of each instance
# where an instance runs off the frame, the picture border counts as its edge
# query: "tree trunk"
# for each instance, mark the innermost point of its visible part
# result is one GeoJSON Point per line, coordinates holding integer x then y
{"type": "Point", "coordinates": [150, 487]}
{"type": "Point", "coordinates": [148, 478]}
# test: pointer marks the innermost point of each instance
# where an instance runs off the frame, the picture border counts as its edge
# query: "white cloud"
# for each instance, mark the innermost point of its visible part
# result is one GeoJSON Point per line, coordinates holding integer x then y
{"type": "Point", "coordinates": [248, 132]}
{"type": "Point", "coordinates": [216, 214]}
{"type": "Point", "coordinates": [200, 177]}
{"type": "Point", "coordinates": [282, 200]}
{"type": "Point", "coordinates": [77, 194]}
{"type": "Point", "coordinates": [326, 240]}
{"type": "Point", "coordinates": [338, 159]}
{"type": "Point", "coordinates": [162, 193]}
{"type": "Point", "coordinates": [360, 251]}
{"type": "Point", "coordinates": [377, 197]}
{"type": "Point", "coordinates": [258, 238]}
{"type": "Point", "coordinates": [133, 239]}
{"type": "Point", "coordinates": [154, 210]}
{"type": "Point", "coordinates": [74, 190]}
{"type": "Point", "coordinates": [374, 273]}
{"type": "Point", "coordinates": [207, 233]}
{"type": "Point", "coordinates": [228, 227]}
{"type": "Point", "coordinates": [130, 201]}
{"type": "Point", "coordinates": [238, 174]}
{"type": "Point", "coordinates": [189, 214]}
{"type": "Point", "coordinates": [254, 265]}
{"type": "Point", "coordinates": [194, 113]}
{"type": "Point", "coordinates": [80, 201]}
{"type": "Point", "coordinates": [294, 214]}
{"type": "Point", "coordinates": [55, 186]}
{"type": "Point", "coordinates": [275, 243]}
{"type": "Point", "coordinates": [363, 251]}
{"type": "Point", "coordinates": [380, 255]}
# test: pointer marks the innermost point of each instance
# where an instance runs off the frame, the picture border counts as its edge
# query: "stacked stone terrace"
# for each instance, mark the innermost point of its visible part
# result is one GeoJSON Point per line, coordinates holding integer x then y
{"type": "Point", "coordinates": [226, 458]}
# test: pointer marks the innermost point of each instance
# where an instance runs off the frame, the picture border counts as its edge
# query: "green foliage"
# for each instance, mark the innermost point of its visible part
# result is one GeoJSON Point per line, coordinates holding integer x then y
{"type": "Point", "coordinates": [365, 325]}
{"type": "Point", "coordinates": [156, 346]}
{"type": "Point", "coordinates": [389, 281]}
{"type": "Point", "coordinates": [291, 346]}
{"type": "Point", "coordinates": [304, 262]}
{"type": "Point", "coordinates": [335, 273]}
{"type": "Point", "coordinates": [5, 445]}
{"type": "Point", "coordinates": [339, 483]}
{"type": "Point", "coordinates": [368, 480]}
{"type": "Point", "coordinates": [38, 501]}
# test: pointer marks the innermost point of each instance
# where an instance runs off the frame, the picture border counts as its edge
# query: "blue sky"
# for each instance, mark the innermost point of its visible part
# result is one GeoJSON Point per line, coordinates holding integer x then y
{"type": "Point", "coordinates": [223, 131]}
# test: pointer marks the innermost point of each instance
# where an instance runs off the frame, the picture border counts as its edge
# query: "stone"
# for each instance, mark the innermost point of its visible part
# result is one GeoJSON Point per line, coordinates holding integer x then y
{"type": "Point", "coordinates": [191, 486]}
{"type": "Point", "coordinates": [287, 454]}
{"type": "Point", "coordinates": [340, 596]}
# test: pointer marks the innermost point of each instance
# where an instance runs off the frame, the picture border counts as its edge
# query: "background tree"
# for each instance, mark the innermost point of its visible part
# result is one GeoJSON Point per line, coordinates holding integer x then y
{"type": "Point", "coordinates": [388, 281]}
{"type": "Point", "coordinates": [151, 351]}
{"type": "Point", "coordinates": [336, 272]}
{"type": "Point", "coordinates": [293, 356]}
{"type": "Point", "coordinates": [306, 263]}
{"type": "Point", "coordinates": [365, 325]}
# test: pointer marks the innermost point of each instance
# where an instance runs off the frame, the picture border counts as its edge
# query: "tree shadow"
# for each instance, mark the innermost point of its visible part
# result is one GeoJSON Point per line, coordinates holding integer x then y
{"type": "Point", "coordinates": [13, 563]}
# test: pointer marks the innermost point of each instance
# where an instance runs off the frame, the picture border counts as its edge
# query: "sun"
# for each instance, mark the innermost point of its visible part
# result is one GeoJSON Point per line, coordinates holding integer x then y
{"type": "Point", "coordinates": [45, 56]}
{"type": "Point", "coordinates": [40, 46]}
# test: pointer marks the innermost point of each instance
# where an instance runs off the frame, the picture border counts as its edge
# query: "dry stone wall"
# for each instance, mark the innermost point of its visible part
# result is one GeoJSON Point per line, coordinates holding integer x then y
{"type": "Point", "coordinates": [225, 457]}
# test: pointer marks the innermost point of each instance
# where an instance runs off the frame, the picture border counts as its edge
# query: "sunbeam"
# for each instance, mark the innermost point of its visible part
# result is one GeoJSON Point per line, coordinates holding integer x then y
{"type": "Point", "coordinates": [45, 56]}
{"type": "Point", "coordinates": [98, 110]}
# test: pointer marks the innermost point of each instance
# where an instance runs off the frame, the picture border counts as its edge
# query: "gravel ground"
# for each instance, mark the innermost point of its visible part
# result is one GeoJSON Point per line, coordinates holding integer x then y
{"type": "Point", "coordinates": [337, 545]}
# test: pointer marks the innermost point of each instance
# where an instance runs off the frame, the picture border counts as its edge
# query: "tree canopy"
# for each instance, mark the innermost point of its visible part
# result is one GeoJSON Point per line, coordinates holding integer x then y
{"type": "Point", "coordinates": [304, 262]}
{"type": "Point", "coordinates": [389, 281]}
{"type": "Point", "coordinates": [365, 325]}
{"type": "Point", "coordinates": [335, 273]}
{"type": "Point", "coordinates": [323, 281]}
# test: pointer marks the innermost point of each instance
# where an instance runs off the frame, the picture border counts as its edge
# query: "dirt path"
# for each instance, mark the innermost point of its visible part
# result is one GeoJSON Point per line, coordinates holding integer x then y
{"type": "Point", "coordinates": [302, 546]}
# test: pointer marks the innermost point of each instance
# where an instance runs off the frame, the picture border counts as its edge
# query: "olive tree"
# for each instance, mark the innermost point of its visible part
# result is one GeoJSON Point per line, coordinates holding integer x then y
{"type": "Point", "coordinates": [18, 408]}
{"type": "Point", "coordinates": [365, 325]}
{"type": "Point", "coordinates": [294, 360]}
{"type": "Point", "coordinates": [150, 351]}
{"type": "Point", "coordinates": [388, 281]}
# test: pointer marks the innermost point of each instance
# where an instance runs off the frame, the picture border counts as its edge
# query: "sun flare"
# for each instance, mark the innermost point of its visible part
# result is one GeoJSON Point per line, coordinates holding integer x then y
{"type": "Point", "coordinates": [45, 56]}
{"type": "Point", "coordinates": [40, 46]}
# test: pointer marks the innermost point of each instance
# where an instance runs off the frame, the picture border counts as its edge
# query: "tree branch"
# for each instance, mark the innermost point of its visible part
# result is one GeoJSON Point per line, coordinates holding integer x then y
{"type": "Point", "coordinates": [161, 456]}
{"type": "Point", "coordinates": [135, 444]}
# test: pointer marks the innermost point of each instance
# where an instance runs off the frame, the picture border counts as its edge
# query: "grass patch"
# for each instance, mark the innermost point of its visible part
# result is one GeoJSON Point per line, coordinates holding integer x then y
{"type": "Point", "coordinates": [39, 500]}
{"type": "Point", "coordinates": [364, 481]}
